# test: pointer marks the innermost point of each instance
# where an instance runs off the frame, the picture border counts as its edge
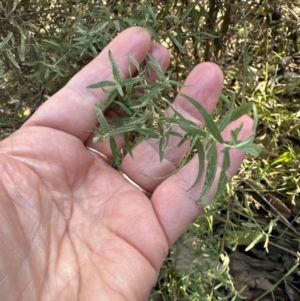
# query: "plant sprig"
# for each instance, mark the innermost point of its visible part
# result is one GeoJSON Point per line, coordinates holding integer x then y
{"type": "Point", "coordinates": [143, 103]}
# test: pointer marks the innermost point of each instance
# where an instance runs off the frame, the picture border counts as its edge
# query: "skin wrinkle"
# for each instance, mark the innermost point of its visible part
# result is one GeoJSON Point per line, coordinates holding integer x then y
{"type": "Point", "coordinates": [48, 247]}
{"type": "Point", "coordinates": [65, 236]}
{"type": "Point", "coordinates": [70, 177]}
{"type": "Point", "coordinates": [110, 250]}
{"type": "Point", "coordinates": [128, 222]}
{"type": "Point", "coordinates": [49, 256]}
{"type": "Point", "coordinates": [177, 222]}
{"type": "Point", "coordinates": [25, 257]}
{"type": "Point", "coordinates": [53, 265]}
{"type": "Point", "coordinates": [116, 232]}
{"type": "Point", "coordinates": [30, 285]}
{"type": "Point", "coordinates": [114, 289]}
{"type": "Point", "coordinates": [66, 174]}
{"type": "Point", "coordinates": [163, 229]}
{"type": "Point", "coordinates": [47, 272]}
{"type": "Point", "coordinates": [24, 205]}
{"type": "Point", "coordinates": [80, 192]}
{"type": "Point", "coordinates": [31, 164]}
{"type": "Point", "coordinates": [78, 185]}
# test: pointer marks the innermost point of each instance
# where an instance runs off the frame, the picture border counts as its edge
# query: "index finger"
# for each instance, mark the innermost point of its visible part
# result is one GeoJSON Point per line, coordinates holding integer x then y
{"type": "Point", "coordinates": [72, 109]}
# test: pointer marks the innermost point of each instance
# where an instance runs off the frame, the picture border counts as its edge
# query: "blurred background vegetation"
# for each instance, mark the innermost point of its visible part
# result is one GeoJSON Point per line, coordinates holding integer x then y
{"type": "Point", "coordinates": [245, 247]}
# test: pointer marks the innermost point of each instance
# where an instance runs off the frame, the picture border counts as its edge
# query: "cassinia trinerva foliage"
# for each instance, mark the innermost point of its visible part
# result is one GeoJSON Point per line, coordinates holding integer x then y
{"type": "Point", "coordinates": [145, 118]}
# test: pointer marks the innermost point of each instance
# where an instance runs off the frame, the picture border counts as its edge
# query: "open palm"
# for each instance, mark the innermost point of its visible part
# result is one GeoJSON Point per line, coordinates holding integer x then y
{"type": "Point", "coordinates": [72, 227]}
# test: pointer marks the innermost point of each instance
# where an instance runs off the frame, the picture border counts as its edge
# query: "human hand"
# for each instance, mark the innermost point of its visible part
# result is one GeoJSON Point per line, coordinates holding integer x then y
{"type": "Point", "coordinates": [72, 228]}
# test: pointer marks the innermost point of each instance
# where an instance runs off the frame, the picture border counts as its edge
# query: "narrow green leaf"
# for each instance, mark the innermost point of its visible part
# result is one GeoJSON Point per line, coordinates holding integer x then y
{"type": "Point", "coordinates": [135, 63]}
{"type": "Point", "coordinates": [102, 120]}
{"type": "Point", "coordinates": [105, 83]}
{"type": "Point", "coordinates": [12, 59]}
{"type": "Point", "coordinates": [251, 149]}
{"type": "Point", "coordinates": [15, 4]}
{"type": "Point", "coordinates": [240, 143]}
{"type": "Point", "coordinates": [120, 90]}
{"type": "Point", "coordinates": [144, 87]}
{"type": "Point", "coordinates": [51, 43]}
{"type": "Point", "coordinates": [116, 71]}
{"type": "Point", "coordinates": [176, 42]}
{"type": "Point", "coordinates": [175, 134]}
{"type": "Point", "coordinates": [124, 108]}
{"type": "Point", "coordinates": [226, 119]}
{"type": "Point", "coordinates": [129, 94]}
{"type": "Point", "coordinates": [122, 130]}
{"type": "Point", "coordinates": [148, 133]}
{"type": "Point", "coordinates": [211, 126]}
{"type": "Point", "coordinates": [183, 140]}
{"type": "Point", "coordinates": [225, 264]}
{"type": "Point", "coordinates": [167, 129]}
{"type": "Point", "coordinates": [148, 97]}
{"type": "Point", "coordinates": [153, 32]}
{"type": "Point", "coordinates": [160, 128]}
{"type": "Point", "coordinates": [234, 135]}
{"type": "Point", "coordinates": [6, 40]}
{"type": "Point", "coordinates": [149, 11]}
{"type": "Point", "coordinates": [191, 129]}
{"type": "Point", "coordinates": [101, 26]}
{"type": "Point", "coordinates": [115, 152]}
{"type": "Point", "coordinates": [226, 100]}
{"type": "Point", "coordinates": [201, 159]}
{"type": "Point", "coordinates": [128, 144]}
{"type": "Point", "coordinates": [257, 239]}
{"type": "Point", "coordinates": [131, 81]}
{"type": "Point", "coordinates": [156, 66]}
{"type": "Point", "coordinates": [226, 159]}
{"type": "Point", "coordinates": [249, 225]}
{"type": "Point", "coordinates": [161, 148]}
{"type": "Point", "coordinates": [223, 180]}
{"type": "Point", "coordinates": [255, 117]}
{"type": "Point", "coordinates": [241, 110]}
{"type": "Point", "coordinates": [285, 157]}
{"type": "Point", "coordinates": [210, 35]}
{"type": "Point", "coordinates": [209, 144]}
{"type": "Point", "coordinates": [211, 170]}
{"type": "Point", "coordinates": [111, 97]}
{"type": "Point", "coordinates": [22, 49]}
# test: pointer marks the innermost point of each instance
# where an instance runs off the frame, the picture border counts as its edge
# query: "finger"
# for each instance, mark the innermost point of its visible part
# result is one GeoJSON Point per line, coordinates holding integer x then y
{"type": "Point", "coordinates": [72, 109]}
{"type": "Point", "coordinates": [175, 204]}
{"type": "Point", "coordinates": [162, 55]}
{"type": "Point", "coordinates": [204, 84]}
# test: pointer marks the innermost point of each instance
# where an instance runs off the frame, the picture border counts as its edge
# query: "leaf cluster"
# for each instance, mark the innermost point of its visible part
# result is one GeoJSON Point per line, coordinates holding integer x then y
{"type": "Point", "coordinates": [138, 98]}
